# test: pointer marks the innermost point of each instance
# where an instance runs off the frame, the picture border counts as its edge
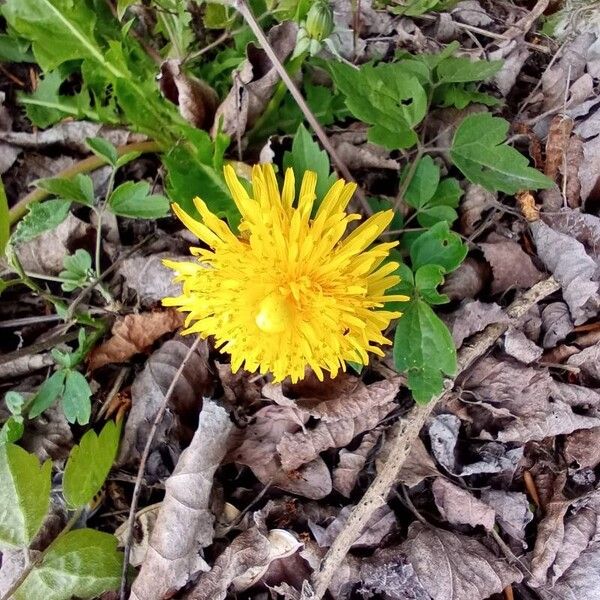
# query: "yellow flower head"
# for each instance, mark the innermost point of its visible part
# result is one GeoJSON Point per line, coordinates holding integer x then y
{"type": "Point", "coordinates": [289, 292]}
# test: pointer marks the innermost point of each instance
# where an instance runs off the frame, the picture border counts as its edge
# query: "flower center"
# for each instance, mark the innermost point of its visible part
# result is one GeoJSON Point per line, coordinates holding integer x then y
{"type": "Point", "coordinates": [274, 313]}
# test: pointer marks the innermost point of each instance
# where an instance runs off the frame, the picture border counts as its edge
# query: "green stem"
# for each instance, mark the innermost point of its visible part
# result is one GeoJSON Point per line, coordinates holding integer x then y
{"type": "Point", "coordinates": [99, 215]}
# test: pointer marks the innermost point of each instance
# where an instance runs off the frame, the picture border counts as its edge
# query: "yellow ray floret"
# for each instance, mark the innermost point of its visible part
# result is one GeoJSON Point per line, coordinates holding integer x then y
{"type": "Point", "coordinates": [291, 292]}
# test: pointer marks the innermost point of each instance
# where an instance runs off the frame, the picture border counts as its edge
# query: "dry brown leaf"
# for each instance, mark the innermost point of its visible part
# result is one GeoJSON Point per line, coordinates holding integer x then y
{"type": "Point", "coordinates": [253, 83]}
{"type": "Point", "coordinates": [582, 448]}
{"type": "Point", "coordinates": [524, 403]}
{"type": "Point", "coordinates": [249, 550]}
{"type": "Point", "coordinates": [196, 100]}
{"type": "Point", "coordinates": [342, 419]}
{"type": "Point", "coordinates": [133, 335]}
{"type": "Point", "coordinates": [588, 360]}
{"type": "Point", "coordinates": [512, 511]}
{"type": "Point", "coordinates": [556, 144]}
{"type": "Point", "coordinates": [185, 523]}
{"type": "Point", "coordinates": [46, 252]}
{"type": "Point", "coordinates": [519, 346]}
{"type": "Point", "coordinates": [443, 433]}
{"type": "Point", "coordinates": [511, 266]}
{"type": "Point", "coordinates": [459, 507]}
{"type": "Point", "coordinates": [556, 323]}
{"type": "Point", "coordinates": [351, 463]}
{"type": "Point", "coordinates": [472, 317]}
{"type": "Point", "coordinates": [573, 162]}
{"type": "Point", "coordinates": [584, 227]}
{"type": "Point", "coordinates": [418, 466]}
{"type": "Point", "coordinates": [450, 565]}
{"type": "Point", "coordinates": [49, 435]}
{"type": "Point", "coordinates": [256, 448]}
{"type": "Point", "coordinates": [477, 200]}
{"type": "Point", "coordinates": [573, 268]}
{"type": "Point", "coordinates": [468, 280]}
{"type": "Point", "coordinates": [147, 394]}
{"type": "Point", "coordinates": [25, 365]}
{"type": "Point", "coordinates": [377, 527]}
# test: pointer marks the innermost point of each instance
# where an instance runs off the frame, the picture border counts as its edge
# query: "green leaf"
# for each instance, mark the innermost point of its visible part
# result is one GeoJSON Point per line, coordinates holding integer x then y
{"type": "Point", "coordinates": [438, 246]}
{"type": "Point", "coordinates": [427, 279]}
{"type": "Point", "coordinates": [122, 6]}
{"type": "Point", "coordinates": [387, 96]}
{"type": "Point", "coordinates": [306, 155]}
{"type": "Point", "coordinates": [133, 199]}
{"type": "Point", "coordinates": [49, 391]}
{"type": "Point", "coordinates": [42, 216]}
{"type": "Point", "coordinates": [76, 398]}
{"type": "Point", "coordinates": [78, 269]}
{"type": "Point", "coordinates": [460, 96]}
{"type": "Point", "coordinates": [423, 184]}
{"type": "Point", "coordinates": [83, 563]}
{"type": "Point", "coordinates": [480, 152]}
{"type": "Point", "coordinates": [127, 158]}
{"type": "Point", "coordinates": [14, 402]}
{"type": "Point", "coordinates": [79, 189]}
{"type": "Point", "coordinates": [103, 149]}
{"type": "Point", "coordinates": [14, 49]}
{"type": "Point", "coordinates": [423, 348]}
{"type": "Point", "coordinates": [12, 430]}
{"type": "Point", "coordinates": [4, 219]}
{"type": "Point", "coordinates": [462, 70]}
{"type": "Point", "coordinates": [24, 495]}
{"type": "Point", "coordinates": [414, 8]}
{"type": "Point", "coordinates": [89, 463]}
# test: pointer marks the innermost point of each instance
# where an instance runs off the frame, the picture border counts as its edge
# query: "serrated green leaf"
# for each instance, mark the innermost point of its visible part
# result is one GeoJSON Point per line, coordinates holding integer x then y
{"type": "Point", "coordinates": [460, 96]}
{"type": "Point", "coordinates": [42, 216]}
{"type": "Point", "coordinates": [103, 149]}
{"type": "Point", "coordinates": [68, 189]}
{"type": "Point", "coordinates": [4, 219]}
{"type": "Point", "coordinates": [427, 279]}
{"type": "Point", "coordinates": [24, 495]}
{"type": "Point", "coordinates": [414, 8]}
{"type": "Point", "coordinates": [423, 348]}
{"type": "Point", "coordinates": [463, 70]}
{"type": "Point", "coordinates": [76, 398]}
{"type": "Point", "coordinates": [306, 155]}
{"type": "Point", "coordinates": [77, 270]}
{"type": "Point", "coordinates": [387, 96]}
{"type": "Point", "coordinates": [83, 563]}
{"type": "Point", "coordinates": [49, 391]}
{"type": "Point", "coordinates": [132, 199]}
{"type": "Point", "coordinates": [89, 463]}
{"type": "Point", "coordinates": [127, 158]}
{"type": "Point", "coordinates": [480, 152]}
{"type": "Point", "coordinates": [438, 246]}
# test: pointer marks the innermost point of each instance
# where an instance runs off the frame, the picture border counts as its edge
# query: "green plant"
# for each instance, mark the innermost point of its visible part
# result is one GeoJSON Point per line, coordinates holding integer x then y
{"type": "Point", "coordinates": [78, 562]}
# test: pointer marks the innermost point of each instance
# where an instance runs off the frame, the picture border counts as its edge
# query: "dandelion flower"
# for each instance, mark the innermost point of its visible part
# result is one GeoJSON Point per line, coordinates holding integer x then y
{"type": "Point", "coordinates": [290, 292]}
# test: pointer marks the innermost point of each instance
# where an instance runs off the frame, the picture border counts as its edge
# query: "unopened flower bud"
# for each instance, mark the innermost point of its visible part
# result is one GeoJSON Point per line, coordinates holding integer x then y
{"type": "Point", "coordinates": [319, 21]}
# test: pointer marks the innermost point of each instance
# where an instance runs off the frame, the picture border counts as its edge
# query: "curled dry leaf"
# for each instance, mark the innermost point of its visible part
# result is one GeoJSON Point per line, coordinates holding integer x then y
{"type": "Point", "coordinates": [134, 334]}
{"type": "Point", "coordinates": [147, 395]}
{"type": "Point", "coordinates": [459, 507]}
{"type": "Point", "coordinates": [519, 346]}
{"type": "Point", "coordinates": [196, 100]}
{"type": "Point", "coordinates": [572, 267]}
{"type": "Point", "coordinates": [588, 360]}
{"type": "Point", "coordinates": [556, 323]}
{"type": "Point", "coordinates": [450, 565]}
{"type": "Point", "coordinates": [418, 466]}
{"type": "Point", "coordinates": [185, 523]}
{"type": "Point", "coordinates": [556, 144]}
{"type": "Point", "coordinates": [582, 448]}
{"type": "Point", "coordinates": [342, 419]}
{"type": "Point", "coordinates": [511, 266]}
{"type": "Point", "coordinates": [253, 83]}
{"type": "Point", "coordinates": [472, 317]}
{"type": "Point", "coordinates": [477, 200]}
{"type": "Point", "coordinates": [573, 162]}
{"type": "Point", "coordinates": [351, 463]}
{"type": "Point", "coordinates": [584, 227]}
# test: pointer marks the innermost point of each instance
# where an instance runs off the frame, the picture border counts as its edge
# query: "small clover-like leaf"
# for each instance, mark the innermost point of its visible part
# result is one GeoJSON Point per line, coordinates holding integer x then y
{"type": "Point", "coordinates": [79, 189]}
{"type": "Point", "coordinates": [133, 199]}
{"type": "Point", "coordinates": [47, 394]}
{"type": "Point", "coordinates": [103, 149]}
{"type": "Point", "coordinates": [76, 398]}
{"type": "Point", "coordinates": [438, 246]}
{"type": "Point", "coordinates": [41, 217]}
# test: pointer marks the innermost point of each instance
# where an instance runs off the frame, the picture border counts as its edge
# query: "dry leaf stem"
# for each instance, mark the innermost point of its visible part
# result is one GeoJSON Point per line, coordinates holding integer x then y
{"type": "Point", "coordinates": [402, 437]}
{"type": "Point", "coordinates": [142, 468]}
{"type": "Point", "coordinates": [242, 7]}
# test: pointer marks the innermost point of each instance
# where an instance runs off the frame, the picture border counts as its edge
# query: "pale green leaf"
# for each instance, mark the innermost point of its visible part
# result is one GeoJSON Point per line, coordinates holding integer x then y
{"type": "Point", "coordinates": [12, 430]}
{"type": "Point", "coordinates": [423, 348]}
{"type": "Point", "coordinates": [83, 563]}
{"type": "Point", "coordinates": [24, 495]}
{"type": "Point", "coordinates": [103, 149]}
{"type": "Point", "coordinates": [89, 463]}
{"type": "Point", "coordinates": [423, 184]}
{"type": "Point", "coordinates": [462, 70]}
{"type": "Point", "coordinates": [438, 246]}
{"type": "Point", "coordinates": [480, 152]}
{"type": "Point", "coordinates": [132, 199]}
{"type": "Point", "coordinates": [42, 216]}
{"type": "Point", "coordinates": [76, 398]}
{"type": "Point", "coordinates": [47, 394]}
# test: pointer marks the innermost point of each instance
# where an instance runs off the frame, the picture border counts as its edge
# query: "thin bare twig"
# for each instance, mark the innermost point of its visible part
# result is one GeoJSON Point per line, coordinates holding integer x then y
{"type": "Point", "coordinates": [401, 439]}
{"type": "Point", "coordinates": [142, 468]}
{"type": "Point", "coordinates": [243, 8]}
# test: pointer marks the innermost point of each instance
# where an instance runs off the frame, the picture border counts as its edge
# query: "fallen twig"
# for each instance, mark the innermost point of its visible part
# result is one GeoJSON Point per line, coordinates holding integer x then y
{"type": "Point", "coordinates": [401, 439]}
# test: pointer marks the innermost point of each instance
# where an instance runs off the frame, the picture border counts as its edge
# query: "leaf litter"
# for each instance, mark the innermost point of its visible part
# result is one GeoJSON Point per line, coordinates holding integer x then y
{"type": "Point", "coordinates": [215, 519]}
